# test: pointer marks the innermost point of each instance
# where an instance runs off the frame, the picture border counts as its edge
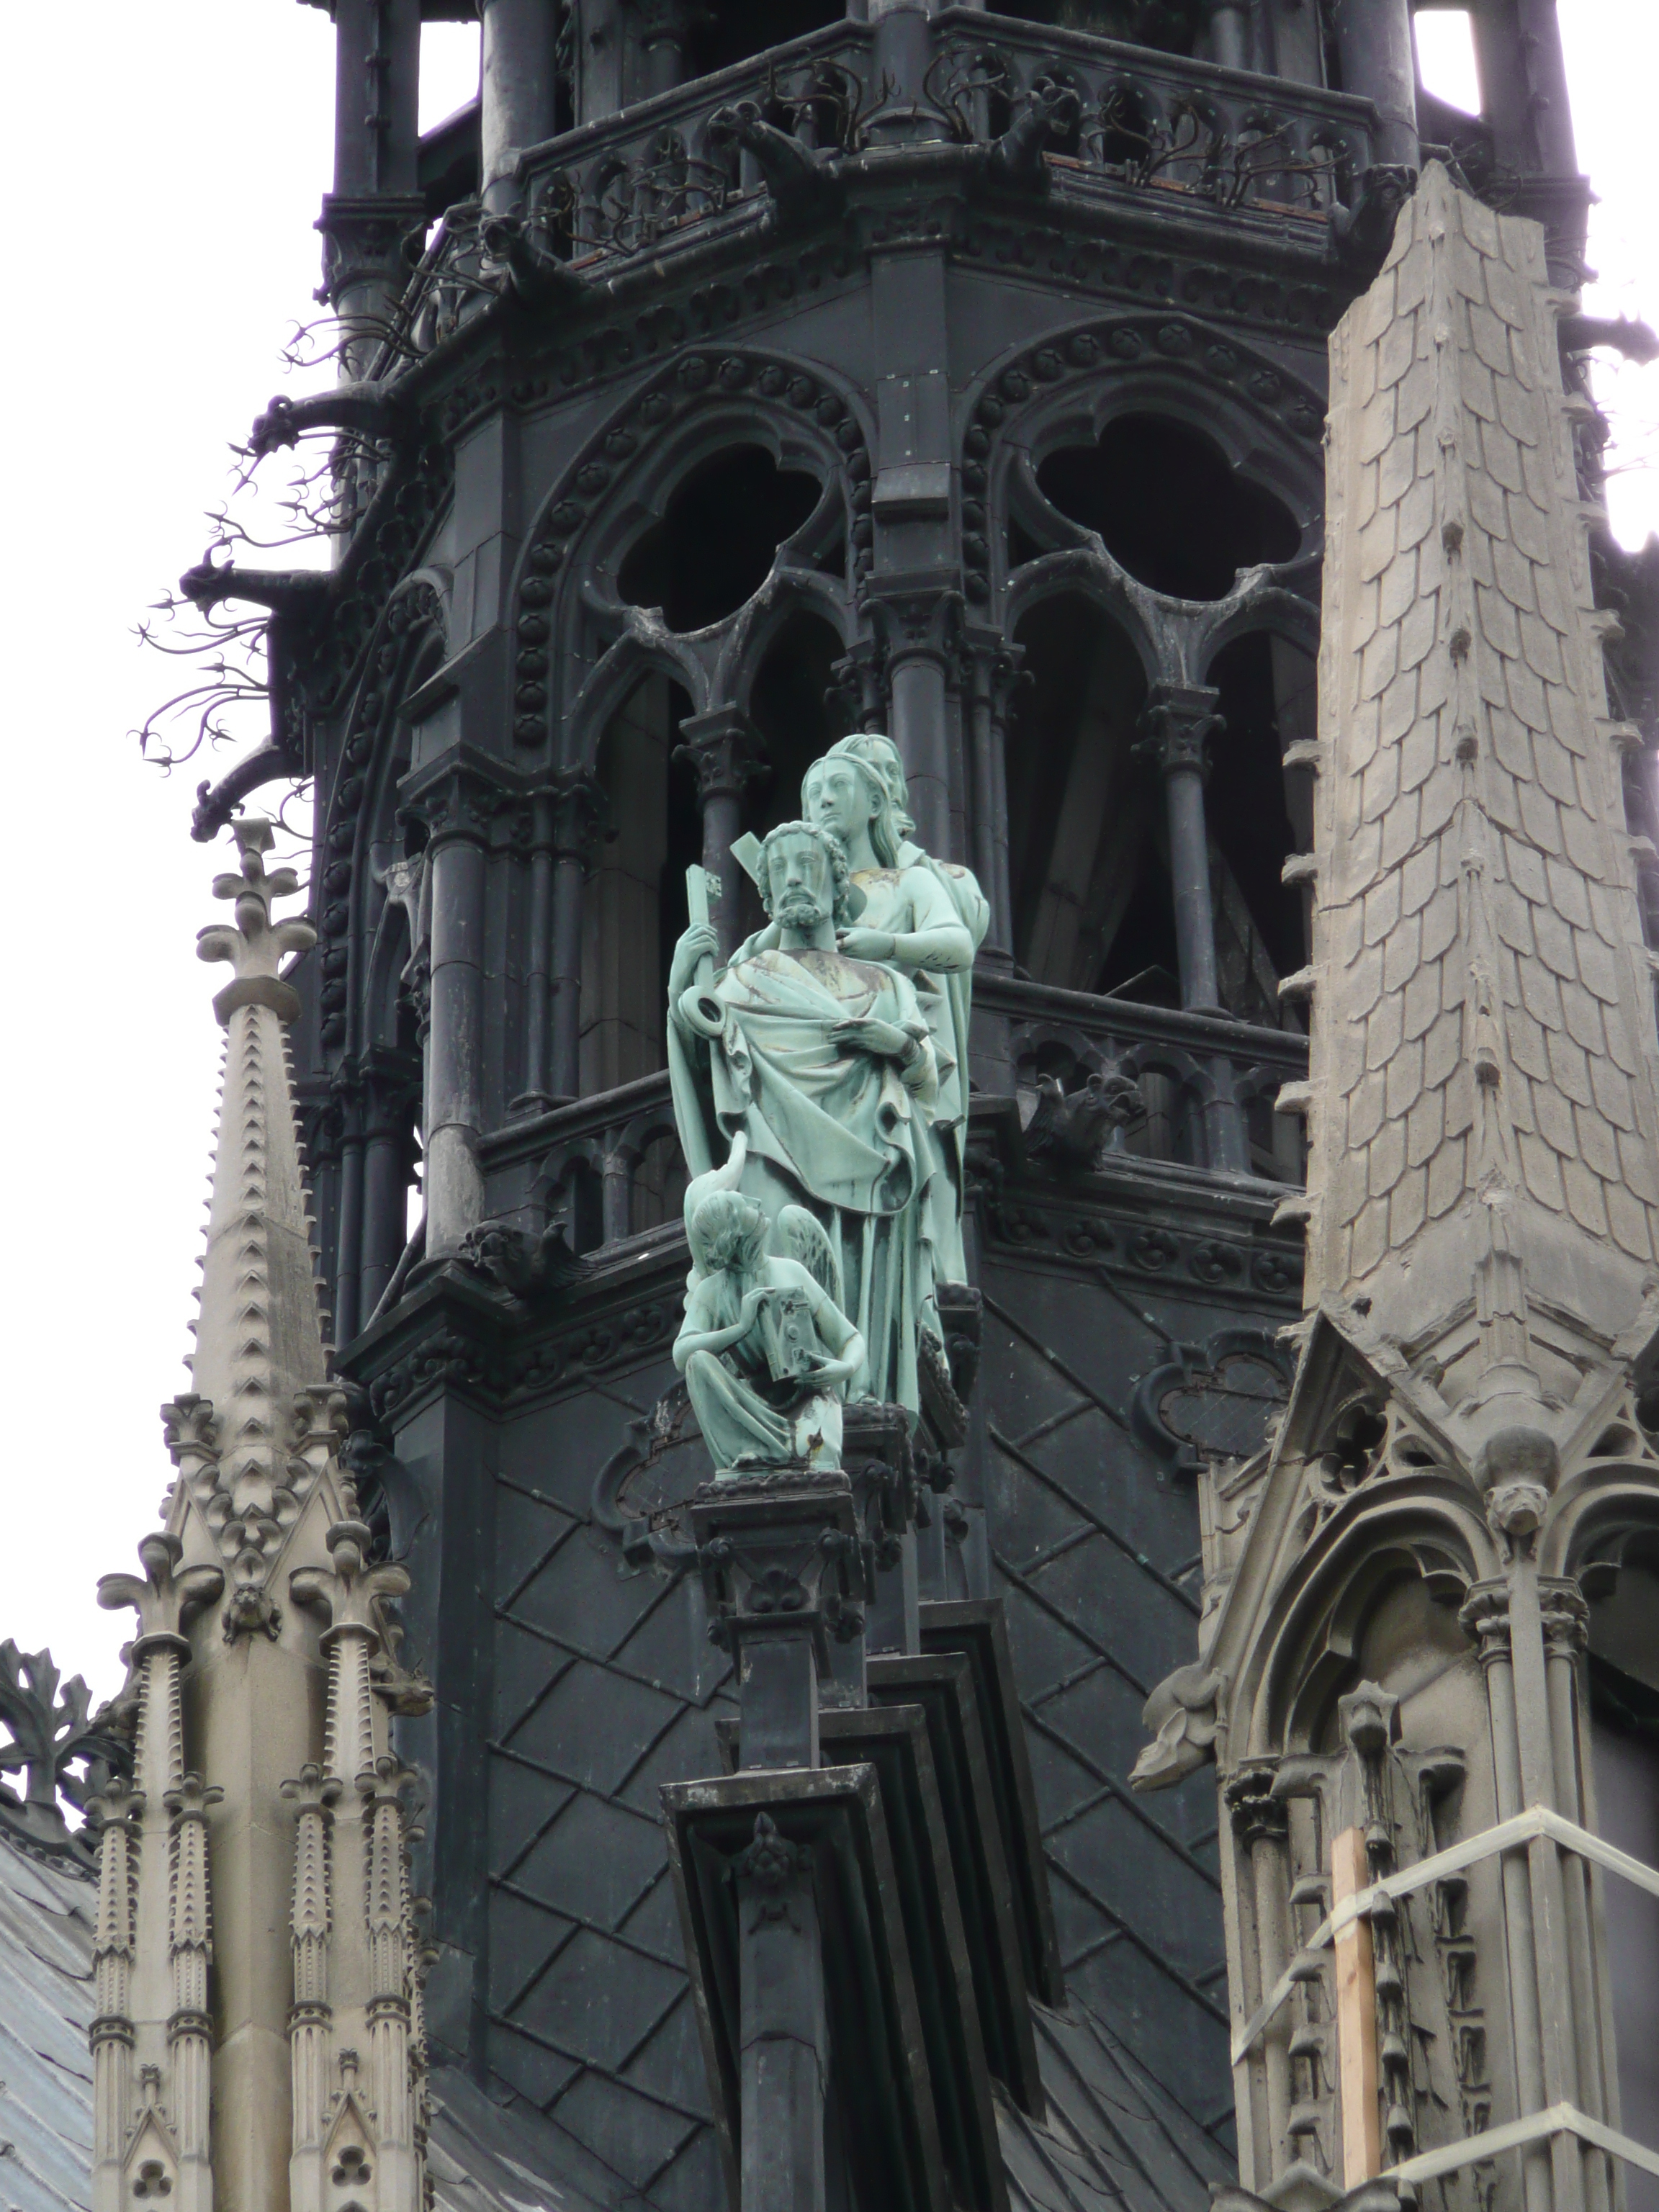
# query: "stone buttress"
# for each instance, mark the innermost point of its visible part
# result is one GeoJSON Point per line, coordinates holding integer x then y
{"type": "Point", "coordinates": [1400, 1586]}
{"type": "Point", "coordinates": [259, 2037]}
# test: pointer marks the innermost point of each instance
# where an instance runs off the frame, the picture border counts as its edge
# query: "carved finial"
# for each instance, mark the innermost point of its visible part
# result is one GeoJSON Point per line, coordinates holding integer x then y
{"type": "Point", "coordinates": [257, 945]}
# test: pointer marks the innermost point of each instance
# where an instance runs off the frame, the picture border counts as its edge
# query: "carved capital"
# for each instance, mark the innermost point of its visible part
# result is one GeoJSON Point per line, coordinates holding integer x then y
{"type": "Point", "coordinates": [581, 808]}
{"type": "Point", "coordinates": [1565, 1617]}
{"type": "Point", "coordinates": [1178, 722]}
{"type": "Point", "coordinates": [997, 666]}
{"type": "Point", "coordinates": [1484, 1616]}
{"type": "Point", "coordinates": [725, 749]}
{"type": "Point", "coordinates": [458, 804]}
{"type": "Point", "coordinates": [1257, 1815]}
{"type": "Point", "coordinates": [916, 620]}
{"type": "Point", "coordinates": [363, 238]}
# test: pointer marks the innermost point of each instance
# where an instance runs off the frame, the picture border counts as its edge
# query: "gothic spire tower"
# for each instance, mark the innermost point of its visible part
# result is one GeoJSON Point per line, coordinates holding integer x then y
{"type": "Point", "coordinates": [258, 2013]}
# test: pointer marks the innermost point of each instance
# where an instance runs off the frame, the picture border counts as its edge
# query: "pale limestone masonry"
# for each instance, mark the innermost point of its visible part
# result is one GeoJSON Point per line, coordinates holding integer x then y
{"type": "Point", "coordinates": [259, 2039]}
{"type": "Point", "coordinates": [1462, 1462]}
{"type": "Point", "coordinates": [1483, 1032]}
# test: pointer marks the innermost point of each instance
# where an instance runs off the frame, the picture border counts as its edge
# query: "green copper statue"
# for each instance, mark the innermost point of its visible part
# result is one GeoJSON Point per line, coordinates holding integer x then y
{"type": "Point", "coordinates": [820, 1090]}
{"type": "Point", "coordinates": [802, 1077]}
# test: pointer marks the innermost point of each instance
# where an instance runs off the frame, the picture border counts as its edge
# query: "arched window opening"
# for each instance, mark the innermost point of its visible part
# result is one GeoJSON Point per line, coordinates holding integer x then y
{"type": "Point", "coordinates": [660, 1180]}
{"type": "Point", "coordinates": [1087, 854]}
{"type": "Point", "coordinates": [1168, 506]}
{"type": "Point", "coordinates": [636, 908]}
{"type": "Point", "coordinates": [1258, 814]}
{"type": "Point", "coordinates": [797, 718]}
{"type": "Point", "coordinates": [713, 548]}
{"type": "Point", "coordinates": [1624, 1678]}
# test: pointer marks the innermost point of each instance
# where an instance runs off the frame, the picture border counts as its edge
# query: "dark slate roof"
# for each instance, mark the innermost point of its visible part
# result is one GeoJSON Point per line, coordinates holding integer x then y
{"type": "Point", "coordinates": [47, 1922]}
{"type": "Point", "coordinates": [483, 2158]}
{"type": "Point", "coordinates": [1114, 2138]}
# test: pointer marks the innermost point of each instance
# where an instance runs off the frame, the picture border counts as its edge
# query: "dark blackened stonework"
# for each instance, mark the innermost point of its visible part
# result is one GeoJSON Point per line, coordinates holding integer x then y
{"type": "Point", "coordinates": [761, 376]}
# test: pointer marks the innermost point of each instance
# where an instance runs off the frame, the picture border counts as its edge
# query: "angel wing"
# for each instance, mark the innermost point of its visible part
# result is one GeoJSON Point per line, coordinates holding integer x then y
{"type": "Point", "coordinates": [803, 1237]}
{"type": "Point", "coordinates": [726, 1177]}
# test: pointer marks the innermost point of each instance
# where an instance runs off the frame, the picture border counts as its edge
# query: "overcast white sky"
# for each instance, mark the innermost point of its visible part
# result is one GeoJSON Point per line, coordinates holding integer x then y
{"type": "Point", "coordinates": [172, 157]}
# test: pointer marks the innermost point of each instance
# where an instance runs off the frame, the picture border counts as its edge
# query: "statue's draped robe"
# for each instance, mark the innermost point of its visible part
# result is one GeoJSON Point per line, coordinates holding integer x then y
{"type": "Point", "coordinates": [828, 1126]}
{"type": "Point", "coordinates": [922, 893]}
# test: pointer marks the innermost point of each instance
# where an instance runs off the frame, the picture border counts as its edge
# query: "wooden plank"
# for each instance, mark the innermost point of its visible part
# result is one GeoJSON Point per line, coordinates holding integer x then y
{"type": "Point", "coordinates": [1356, 2016]}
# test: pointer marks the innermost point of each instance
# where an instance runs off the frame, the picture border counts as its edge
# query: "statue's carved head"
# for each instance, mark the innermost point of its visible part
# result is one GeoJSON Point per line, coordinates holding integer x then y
{"type": "Point", "coordinates": [726, 1231]}
{"type": "Point", "coordinates": [859, 781]}
{"type": "Point", "coordinates": [804, 878]}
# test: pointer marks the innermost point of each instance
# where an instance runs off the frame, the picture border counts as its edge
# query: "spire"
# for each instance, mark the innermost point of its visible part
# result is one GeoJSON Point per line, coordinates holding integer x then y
{"type": "Point", "coordinates": [260, 1335]}
{"type": "Point", "coordinates": [259, 1349]}
{"type": "Point", "coordinates": [245, 1863]}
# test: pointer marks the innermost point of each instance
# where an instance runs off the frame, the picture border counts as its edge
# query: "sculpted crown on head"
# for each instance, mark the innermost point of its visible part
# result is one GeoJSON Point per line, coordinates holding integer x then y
{"type": "Point", "coordinates": [819, 1084]}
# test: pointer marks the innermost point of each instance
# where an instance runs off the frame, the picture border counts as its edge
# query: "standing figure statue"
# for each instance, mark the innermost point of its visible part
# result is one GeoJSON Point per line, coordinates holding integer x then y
{"type": "Point", "coordinates": [803, 1078]}
{"type": "Point", "coordinates": [926, 918]}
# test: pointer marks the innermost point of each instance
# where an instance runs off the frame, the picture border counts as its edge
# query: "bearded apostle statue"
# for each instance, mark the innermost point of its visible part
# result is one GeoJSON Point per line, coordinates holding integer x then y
{"type": "Point", "coordinates": [820, 1092]}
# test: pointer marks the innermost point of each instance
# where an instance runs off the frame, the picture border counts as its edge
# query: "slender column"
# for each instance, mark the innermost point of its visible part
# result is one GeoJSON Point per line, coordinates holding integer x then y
{"type": "Point", "coordinates": [660, 30]}
{"type": "Point", "coordinates": [578, 810]}
{"type": "Point", "coordinates": [1179, 719]}
{"type": "Point", "coordinates": [539, 967]}
{"type": "Point", "coordinates": [311, 2020]}
{"type": "Point", "coordinates": [459, 809]}
{"type": "Point", "coordinates": [391, 1091]}
{"type": "Point", "coordinates": [376, 201]}
{"type": "Point", "coordinates": [388, 2002]}
{"type": "Point", "coordinates": [1230, 33]}
{"type": "Point", "coordinates": [190, 2026]}
{"type": "Point", "coordinates": [1374, 44]}
{"type": "Point", "coordinates": [725, 749]}
{"type": "Point", "coordinates": [1260, 1822]}
{"type": "Point", "coordinates": [1566, 1623]}
{"type": "Point", "coordinates": [616, 1189]}
{"type": "Point", "coordinates": [919, 629]}
{"type": "Point", "coordinates": [112, 2031]}
{"type": "Point", "coordinates": [1486, 1614]}
{"type": "Point", "coordinates": [784, 2037]}
{"type": "Point", "coordinates": [349, 1246]}
{"type": "Point", "coordinates": [518, 86]}
{"type": "Point", "coordinates": [994, 668]}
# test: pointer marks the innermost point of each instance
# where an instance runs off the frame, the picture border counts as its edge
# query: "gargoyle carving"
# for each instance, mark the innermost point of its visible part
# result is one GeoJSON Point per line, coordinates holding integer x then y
{"type": "Point", "coordinates": [1182, 1717]}
{"type": "Point", "coordinates": [1048, 112]}
{"type": "Point", "coordinates": [1073, 1127]}
{"type": "Point", "coordinates": [376, 409]}
{"type": "Point", "coordinates": [524, 269]}
{"type": "Point", "coordinates": [1620, 333]}
{"type": "Point", "coordinates": [517, 1259]}
{"type": "Point", "coordinates": [1362, 235]}
{"type": "Point", "coordinates": [284, 590]}
{"type": "Point", "coordinates": [800, 186]}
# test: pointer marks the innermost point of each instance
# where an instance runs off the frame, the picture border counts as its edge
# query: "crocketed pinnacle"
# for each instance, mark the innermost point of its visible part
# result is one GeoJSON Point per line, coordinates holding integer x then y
{"type": "Point", "coordinates": [260, 1340]}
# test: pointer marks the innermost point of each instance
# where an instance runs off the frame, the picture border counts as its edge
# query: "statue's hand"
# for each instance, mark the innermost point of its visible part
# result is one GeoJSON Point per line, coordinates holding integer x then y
{"type": "Point", "coordinates": [866, 944]}
{"type": "Point", "coordinates": [698, 943]}
{"type": "Point", "coordinates": [881, 1040]}
{"type": "Point", "coordinates": [753, 1302]}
